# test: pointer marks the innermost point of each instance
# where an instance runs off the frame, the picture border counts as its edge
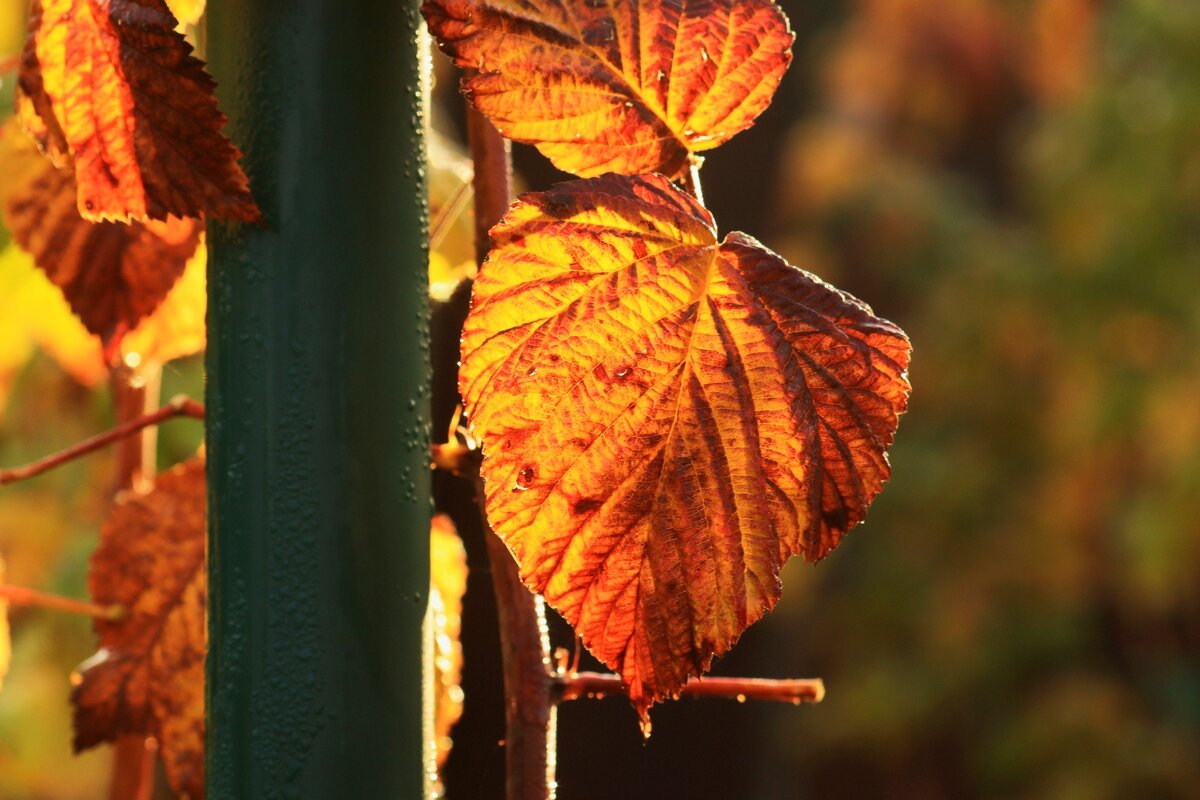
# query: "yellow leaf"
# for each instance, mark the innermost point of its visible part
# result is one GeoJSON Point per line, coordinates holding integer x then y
{"type": "Point", "coordinates": [187, 12]}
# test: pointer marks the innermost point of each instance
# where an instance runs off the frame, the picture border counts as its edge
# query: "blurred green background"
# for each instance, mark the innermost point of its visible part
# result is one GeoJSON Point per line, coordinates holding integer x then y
{"type": "Point", "coordinates": [1017, 183]}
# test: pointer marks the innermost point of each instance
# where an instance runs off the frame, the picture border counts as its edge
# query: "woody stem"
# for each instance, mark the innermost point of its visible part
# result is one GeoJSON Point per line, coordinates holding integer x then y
{"type": "Point", "coordinates": [800, 690]}
{"type": "Point", "coordinates": [22, 596]}
{"type": "Point", "coordinates": [177, 407]}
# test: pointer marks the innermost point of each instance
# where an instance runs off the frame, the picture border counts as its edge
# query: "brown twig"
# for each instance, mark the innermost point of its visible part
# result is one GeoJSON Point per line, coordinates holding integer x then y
{"type": "Point", "coordinates": [9, 63]}
{"type": "Point", "coordinates": [177, 407]}
{"type": "Point", "coordinates": [800, 690]}
{"type": "Point", "coordinates": [22, 596]}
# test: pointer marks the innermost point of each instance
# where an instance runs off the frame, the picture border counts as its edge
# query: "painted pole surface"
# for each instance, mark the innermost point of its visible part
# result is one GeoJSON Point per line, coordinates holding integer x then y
{"type": "Point", "coordinates": [317, 397]}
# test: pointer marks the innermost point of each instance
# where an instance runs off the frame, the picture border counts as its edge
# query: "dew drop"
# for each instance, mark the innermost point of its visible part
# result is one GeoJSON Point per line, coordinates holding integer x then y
{"type": "Point", "coordinates": [524, 478]}
{"type": "Point", "coordinates": [741, 698]}
{"type": "Point", "coordinates": [704, 54]}
{"type": "Point", "coordinates": [532, 371]}
{"type": "Point", "coordinates": [622, 372]}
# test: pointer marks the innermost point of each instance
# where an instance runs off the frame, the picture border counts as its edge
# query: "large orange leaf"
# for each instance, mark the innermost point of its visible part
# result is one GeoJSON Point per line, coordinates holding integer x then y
{"type": "Point", "coordinates": [666, 419]}
{"type": "Point", "coordinates": [148, 676]}
{"type": "Point", "coordinates": [114, 84]}
{"type": "Point", "coordinates": [112, 274]}
{"type": "Point", "coordinates": [622, 86]}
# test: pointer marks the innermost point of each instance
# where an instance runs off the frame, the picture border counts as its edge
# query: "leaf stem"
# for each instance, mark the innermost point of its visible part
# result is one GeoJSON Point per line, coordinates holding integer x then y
{"type": "Point", "coordinates": [178, 407]}
{"type": "Point", "coordinates": [9, 63]}
{"type": "Point", "coordinates": [23, 596]}
{"type": "Point", "coordinates": [798, 690]}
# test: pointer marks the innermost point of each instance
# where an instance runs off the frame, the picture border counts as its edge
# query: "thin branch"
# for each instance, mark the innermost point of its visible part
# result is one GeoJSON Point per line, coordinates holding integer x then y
{"type": "Point", "coordinates": [22, 596]}
{"type": "Point", "coordinates": [10, 63]}
{"type": "Point", "coordinates": [795, 691]}
{"type": "Point", "coordinates": [177, 407]}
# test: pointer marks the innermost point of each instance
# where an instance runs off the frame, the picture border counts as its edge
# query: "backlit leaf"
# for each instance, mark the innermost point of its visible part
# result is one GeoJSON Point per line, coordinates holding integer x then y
{"type": "Point", "coordinates": [448, 578]}
{"type": "Point", "coordinates": [112, 274]}
{"type": "Point", "coordinates": [148, 676]}
{"type": "Point", "coordinates": [667, 419]}
{"type": "Point", "coordinates": [622, 86]}
{"type": "Point", "coordinates": [115, 85]}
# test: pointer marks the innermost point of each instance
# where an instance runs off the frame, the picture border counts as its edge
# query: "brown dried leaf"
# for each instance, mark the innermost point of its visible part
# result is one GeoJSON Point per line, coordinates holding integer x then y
{"type": "Point", "coordinates": [112, 274]}
{"type": "Point", "coordinates": [116, 86]}
{"type": "Point", "coordinates": [148, 676]}
{"type": "Point", "coordinates": [667, 418]}
{"type": "Point", "coordinates": [625, 86]}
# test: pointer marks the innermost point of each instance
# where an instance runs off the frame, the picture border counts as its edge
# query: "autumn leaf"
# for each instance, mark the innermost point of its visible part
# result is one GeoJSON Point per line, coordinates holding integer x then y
{"type": "Point", "coordinates": [115, 86]}
{"type": "Point", "coordinates": [667, 419]}
{"type": "Point", "coordinates": [112, 274]}
{"type": "Point", "coordinates": [448, 584]}
{"type": "Point", "coordinates": [148, 676]}
{"type": "Point", "coordinates": [626, 86]}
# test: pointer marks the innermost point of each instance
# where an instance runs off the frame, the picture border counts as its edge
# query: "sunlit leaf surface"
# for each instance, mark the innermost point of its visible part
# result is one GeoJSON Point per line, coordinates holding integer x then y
{"type": "Point", "coordinates": [666, 419]}
{"type": "Point", "coordinates": [617, 85]}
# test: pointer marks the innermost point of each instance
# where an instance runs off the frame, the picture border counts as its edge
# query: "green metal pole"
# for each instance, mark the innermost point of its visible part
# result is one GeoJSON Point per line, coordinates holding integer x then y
{"type": "Point", "coordinates": [318, 395]}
